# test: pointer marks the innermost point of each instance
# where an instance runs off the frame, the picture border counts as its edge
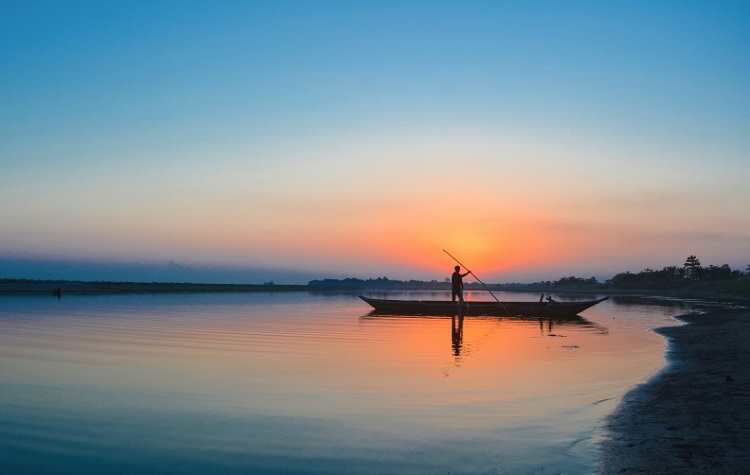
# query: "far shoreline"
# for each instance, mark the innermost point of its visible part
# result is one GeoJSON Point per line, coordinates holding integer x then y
{"type": "Point", "coordinates": [60, 288]}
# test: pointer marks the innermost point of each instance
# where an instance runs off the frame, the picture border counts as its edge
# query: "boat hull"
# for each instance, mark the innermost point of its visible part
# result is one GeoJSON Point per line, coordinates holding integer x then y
{"type": "Point", "coordinates": [443, 307]}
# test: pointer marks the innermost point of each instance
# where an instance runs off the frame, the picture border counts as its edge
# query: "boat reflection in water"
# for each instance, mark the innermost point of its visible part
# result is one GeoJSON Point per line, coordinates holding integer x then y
{"type": "Point", "coordinates": [546, 322]}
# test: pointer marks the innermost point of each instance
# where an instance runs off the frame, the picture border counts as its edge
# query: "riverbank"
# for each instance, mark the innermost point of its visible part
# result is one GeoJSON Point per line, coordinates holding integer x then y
{"type": "Point", "coordinates": [694, 416]}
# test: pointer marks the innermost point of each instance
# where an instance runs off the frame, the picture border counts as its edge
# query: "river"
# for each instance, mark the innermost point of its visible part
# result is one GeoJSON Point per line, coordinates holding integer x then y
{"type": "Point", "coordinates": [304, 382]}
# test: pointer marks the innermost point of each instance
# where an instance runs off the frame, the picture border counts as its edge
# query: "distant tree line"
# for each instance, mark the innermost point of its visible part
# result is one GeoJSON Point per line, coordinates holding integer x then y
{"type": "Point", "coordinates": [378, 283]}
{"type": "Point", "coordinates": [690, 276]}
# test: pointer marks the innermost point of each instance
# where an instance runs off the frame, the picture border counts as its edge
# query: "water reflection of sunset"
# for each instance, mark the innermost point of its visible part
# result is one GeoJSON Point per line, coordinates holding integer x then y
{"type": "Point", "coordinates": [474, 338]}
{"type": "Point", "coordinates": [311, 376]}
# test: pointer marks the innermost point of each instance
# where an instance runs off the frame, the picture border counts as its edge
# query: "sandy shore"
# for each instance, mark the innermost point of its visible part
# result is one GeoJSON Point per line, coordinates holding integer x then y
{"type": "Point", "coordinates": [694, 416]}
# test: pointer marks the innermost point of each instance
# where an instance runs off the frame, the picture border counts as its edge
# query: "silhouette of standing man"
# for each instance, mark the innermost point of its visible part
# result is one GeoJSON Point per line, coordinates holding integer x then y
{"type": "Point", "coordinates": [457, 284]}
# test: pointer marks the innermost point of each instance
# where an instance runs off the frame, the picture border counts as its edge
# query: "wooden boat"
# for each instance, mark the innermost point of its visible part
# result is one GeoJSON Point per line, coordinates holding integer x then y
{"type": "Point", "coordinates": [443, 307]}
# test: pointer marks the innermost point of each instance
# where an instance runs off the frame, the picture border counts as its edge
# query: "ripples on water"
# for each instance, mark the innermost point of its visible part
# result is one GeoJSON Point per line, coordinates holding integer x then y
{"type": "Point", "coordinates": [308, 383]}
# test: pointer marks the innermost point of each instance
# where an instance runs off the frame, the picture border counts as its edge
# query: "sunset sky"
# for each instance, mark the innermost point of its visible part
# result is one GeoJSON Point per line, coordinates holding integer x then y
{"type": "Point", "coordinates": [531, 139]}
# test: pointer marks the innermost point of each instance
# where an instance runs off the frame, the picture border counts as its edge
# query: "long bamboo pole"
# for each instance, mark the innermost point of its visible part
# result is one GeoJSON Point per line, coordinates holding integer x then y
{"type": "Point", "coordinates": [478, 280]}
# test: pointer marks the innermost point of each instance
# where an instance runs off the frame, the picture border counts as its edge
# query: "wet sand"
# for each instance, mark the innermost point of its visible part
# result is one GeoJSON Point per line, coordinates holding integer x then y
{"type": "Point", "coordinates": [694, 416]}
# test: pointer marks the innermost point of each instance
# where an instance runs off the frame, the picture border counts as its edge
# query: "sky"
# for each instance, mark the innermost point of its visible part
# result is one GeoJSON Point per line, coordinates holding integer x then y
{"type": "Point", "coordinates": [312, 139]}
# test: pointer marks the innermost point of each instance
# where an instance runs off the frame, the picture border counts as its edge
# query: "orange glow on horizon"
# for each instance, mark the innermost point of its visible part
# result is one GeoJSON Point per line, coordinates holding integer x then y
{"type": "Point", "coordinates": [483, 246]}
{"type": "Point", "coordinates": [403, 234]}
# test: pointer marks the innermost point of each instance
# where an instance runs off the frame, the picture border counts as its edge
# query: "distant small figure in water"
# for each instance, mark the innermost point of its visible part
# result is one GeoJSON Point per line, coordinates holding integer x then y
{"type": "Point", "coordinates": [57, 292]}
{"type": "Point", "coordinates": [550, 299]}
{"type": "Point", "coordinates": [457, 284]}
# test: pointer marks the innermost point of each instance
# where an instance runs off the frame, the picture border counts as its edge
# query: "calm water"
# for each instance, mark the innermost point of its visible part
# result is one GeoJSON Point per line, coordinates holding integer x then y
{"type": "Point", "coordinates": [309, 383]}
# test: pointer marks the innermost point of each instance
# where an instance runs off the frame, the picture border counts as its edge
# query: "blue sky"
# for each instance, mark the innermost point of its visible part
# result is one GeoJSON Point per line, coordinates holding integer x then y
{"type": "Point", "coordinates": [537, 139]}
